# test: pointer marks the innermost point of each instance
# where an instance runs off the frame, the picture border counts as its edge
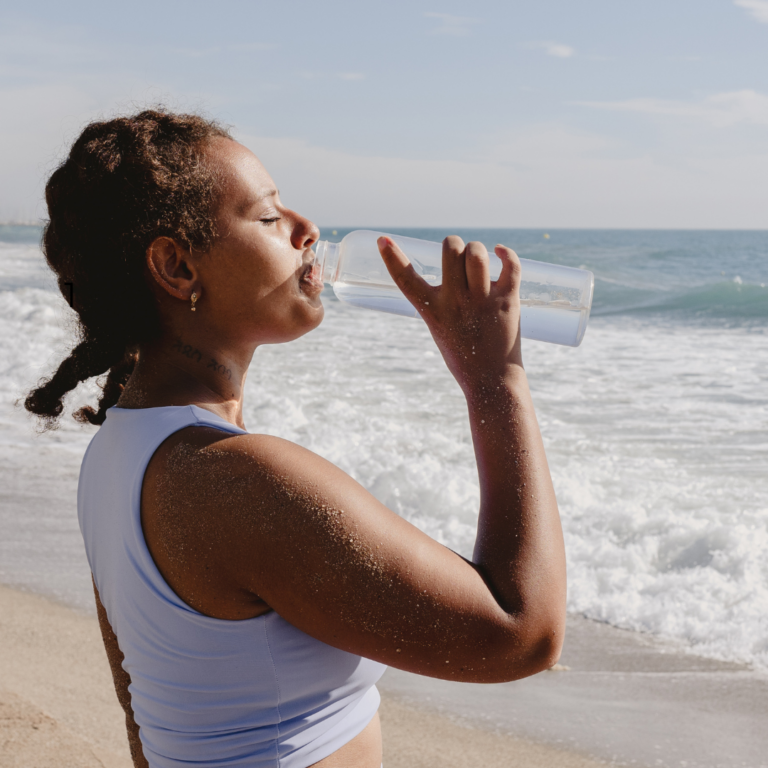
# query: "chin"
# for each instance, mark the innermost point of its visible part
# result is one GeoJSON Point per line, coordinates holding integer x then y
{"type": "Point", "coordinates": [317, 316]}
{"type": "Point", "coordinates": [304, 320]}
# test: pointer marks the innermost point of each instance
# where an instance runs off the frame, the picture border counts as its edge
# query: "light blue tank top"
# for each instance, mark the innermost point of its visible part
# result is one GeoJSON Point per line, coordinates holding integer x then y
{"type": "Point", "coordinates": [205, 691]}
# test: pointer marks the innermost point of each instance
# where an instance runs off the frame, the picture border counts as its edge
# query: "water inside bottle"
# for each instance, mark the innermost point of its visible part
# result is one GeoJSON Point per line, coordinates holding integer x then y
{"type": "Point", "coordinates": [374, 297]}
{"type": "Point", "coordinates": [558, 321]}
{"type": "Point", "coordinates": [556, 324]}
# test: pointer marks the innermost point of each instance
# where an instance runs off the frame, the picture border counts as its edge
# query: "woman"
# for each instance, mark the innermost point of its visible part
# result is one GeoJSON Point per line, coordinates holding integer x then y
{"type": "Point", "coordinates": [250, 593]}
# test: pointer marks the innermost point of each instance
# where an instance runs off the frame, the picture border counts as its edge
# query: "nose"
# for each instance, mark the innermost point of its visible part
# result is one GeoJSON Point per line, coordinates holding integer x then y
{"type": "Point", "coordinates": [304, 234]}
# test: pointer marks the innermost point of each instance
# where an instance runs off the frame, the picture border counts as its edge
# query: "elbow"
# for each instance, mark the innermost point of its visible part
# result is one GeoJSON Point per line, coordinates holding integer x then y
{"type": "Point", "coordinates": [545, 651]}
{"type": "Point", "coordinates": [533, 649]}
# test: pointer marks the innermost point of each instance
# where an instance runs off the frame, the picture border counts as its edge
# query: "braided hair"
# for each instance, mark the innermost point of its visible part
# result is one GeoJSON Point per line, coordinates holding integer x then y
{"type": "Point", "coordinates": [125, 182]}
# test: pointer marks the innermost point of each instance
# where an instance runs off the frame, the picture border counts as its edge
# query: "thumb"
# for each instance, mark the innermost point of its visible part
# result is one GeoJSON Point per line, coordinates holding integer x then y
{"type": "Point", "coordinates": [414, 287]}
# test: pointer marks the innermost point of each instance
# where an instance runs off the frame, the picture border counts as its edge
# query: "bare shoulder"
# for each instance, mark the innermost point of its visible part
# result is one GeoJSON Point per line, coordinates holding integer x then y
{"type": "Point", "coordinates": [264, 519]}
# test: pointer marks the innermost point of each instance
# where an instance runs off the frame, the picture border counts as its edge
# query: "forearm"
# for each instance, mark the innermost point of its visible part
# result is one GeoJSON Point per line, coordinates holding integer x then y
{"type": "Point", "coordinates": [519, 547]}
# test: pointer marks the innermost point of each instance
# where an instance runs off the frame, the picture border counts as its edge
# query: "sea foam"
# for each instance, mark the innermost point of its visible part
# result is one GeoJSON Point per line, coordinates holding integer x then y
{"type": "Point", "coordinates": [656, 432]}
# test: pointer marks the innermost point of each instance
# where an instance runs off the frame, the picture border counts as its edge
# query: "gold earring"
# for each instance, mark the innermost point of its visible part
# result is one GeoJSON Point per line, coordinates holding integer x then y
{"type": "Point", "coordinates": [194, 299]}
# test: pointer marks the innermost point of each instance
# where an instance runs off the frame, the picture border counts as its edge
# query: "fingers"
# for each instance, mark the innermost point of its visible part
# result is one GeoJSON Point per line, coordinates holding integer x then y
{"type": "Point", "coordinates": [509, 279]}
{"type": "Point", "coordinates": [478, 269]}
{"type": "Point", "coordinates": [413, 286]}
{"type": "Point", "coordinates": [454, 270]}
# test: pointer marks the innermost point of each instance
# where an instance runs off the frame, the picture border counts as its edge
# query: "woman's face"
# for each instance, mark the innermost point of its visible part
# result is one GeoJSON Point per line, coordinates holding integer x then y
{"type": "Point", "coordinates": [255, 280]}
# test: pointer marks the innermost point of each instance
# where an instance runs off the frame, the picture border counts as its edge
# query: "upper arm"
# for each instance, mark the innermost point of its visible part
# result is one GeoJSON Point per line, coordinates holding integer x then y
{"type": "Point", "coordinates": [290, 527]}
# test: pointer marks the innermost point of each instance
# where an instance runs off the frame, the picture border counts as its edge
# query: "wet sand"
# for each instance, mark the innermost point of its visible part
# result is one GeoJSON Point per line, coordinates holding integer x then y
{"type": "Point", "coordinates": [627, 699]}
{"type": "Point", "coordinates": [58, 708]}
{"type": "Point", "coordinates": [623, 697]}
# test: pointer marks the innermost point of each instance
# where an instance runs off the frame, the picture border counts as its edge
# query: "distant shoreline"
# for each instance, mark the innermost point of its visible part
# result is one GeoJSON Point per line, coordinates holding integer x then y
{"type": "Point", "coordinates": [39, 223]}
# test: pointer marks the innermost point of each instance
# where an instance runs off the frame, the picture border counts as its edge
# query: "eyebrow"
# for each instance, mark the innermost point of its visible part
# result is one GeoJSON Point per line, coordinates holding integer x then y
{"type": "Point", "coordinates": [268, 193]}
{"type": "Point", "coordinates": [248, 203]}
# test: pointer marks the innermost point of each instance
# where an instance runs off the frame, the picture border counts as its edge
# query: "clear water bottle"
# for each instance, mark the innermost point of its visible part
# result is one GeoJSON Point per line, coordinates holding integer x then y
{"type": "Point", "coordinates": [555, 300]}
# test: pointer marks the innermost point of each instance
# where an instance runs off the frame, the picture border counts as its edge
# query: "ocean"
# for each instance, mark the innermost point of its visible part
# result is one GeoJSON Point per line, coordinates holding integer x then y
{"type": "Point", "coordinates": [656, 427]}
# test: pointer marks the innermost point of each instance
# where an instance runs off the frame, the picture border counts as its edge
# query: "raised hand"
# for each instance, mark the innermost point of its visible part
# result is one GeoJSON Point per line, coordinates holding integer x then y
{"type": "Point", "coordinates": [475, 321]}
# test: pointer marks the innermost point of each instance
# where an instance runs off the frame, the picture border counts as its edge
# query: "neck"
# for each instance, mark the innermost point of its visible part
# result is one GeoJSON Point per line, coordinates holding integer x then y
{"type": "Point", "coordinates": [176, 371]}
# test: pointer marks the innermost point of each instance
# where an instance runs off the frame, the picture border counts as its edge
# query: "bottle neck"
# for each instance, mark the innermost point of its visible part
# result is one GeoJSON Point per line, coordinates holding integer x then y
{"type": "Point", "coordinates": [326, 260]}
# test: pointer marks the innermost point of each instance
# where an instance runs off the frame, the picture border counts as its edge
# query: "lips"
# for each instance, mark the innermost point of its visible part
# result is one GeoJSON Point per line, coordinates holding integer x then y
{"type": "Point", "coordinates": [310, 277]}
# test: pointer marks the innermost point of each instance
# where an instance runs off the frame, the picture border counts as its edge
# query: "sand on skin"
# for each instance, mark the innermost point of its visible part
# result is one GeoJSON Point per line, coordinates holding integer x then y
{"type": "Point", "coordinates": [58, 707]}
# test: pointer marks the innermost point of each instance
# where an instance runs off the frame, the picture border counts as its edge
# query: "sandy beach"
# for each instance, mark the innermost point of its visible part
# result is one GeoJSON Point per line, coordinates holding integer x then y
{"type": "Point", "coordinates": [625, 699]}
{"type": "Point", "coordinates": [58, 708]}
{"type": "Point", "coordinates": [628, 701]}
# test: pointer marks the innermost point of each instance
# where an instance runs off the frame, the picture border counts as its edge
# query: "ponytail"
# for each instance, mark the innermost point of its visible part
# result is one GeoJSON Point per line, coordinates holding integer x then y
{"type": "Point", "coordinates": [125, 183]}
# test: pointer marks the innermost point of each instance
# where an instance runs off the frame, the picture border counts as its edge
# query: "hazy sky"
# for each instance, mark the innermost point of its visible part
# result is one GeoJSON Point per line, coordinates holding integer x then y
{"type": "Point", "coordinates": [553, 113]}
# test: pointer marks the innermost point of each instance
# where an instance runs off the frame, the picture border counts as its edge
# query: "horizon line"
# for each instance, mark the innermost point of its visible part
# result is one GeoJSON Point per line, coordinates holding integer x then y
{"type": "Point", "coordinates": [42, 222]}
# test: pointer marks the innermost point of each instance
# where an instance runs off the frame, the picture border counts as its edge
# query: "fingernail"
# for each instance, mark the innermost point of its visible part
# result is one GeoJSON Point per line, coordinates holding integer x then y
{"type": "Point", "coordinates": [384, 242]}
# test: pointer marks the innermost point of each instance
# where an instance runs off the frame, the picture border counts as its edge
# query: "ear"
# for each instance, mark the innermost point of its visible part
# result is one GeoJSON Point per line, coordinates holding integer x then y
{"type": "Point", "coordinates": [171, 266]}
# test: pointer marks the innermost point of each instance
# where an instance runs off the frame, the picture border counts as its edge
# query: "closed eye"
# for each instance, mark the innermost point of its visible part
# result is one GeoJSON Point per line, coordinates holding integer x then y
{"type": "Point", "coordinates": [267, 222]}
